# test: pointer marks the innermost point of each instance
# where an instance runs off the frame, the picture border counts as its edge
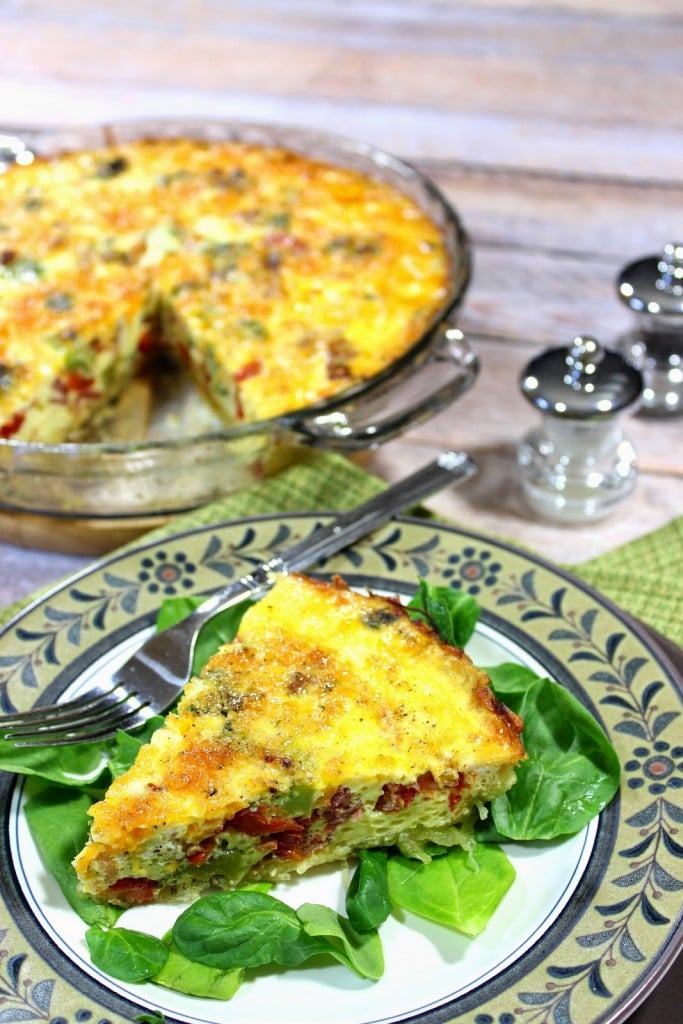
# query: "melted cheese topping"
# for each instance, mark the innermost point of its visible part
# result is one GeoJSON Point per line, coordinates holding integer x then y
{"type": "Point", "coordinates": [279, 279]}
{"type": "Point", "coordinates": [324, 692]}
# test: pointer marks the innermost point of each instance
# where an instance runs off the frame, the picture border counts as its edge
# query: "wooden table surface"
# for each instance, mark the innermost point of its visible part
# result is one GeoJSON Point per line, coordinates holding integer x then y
{"type": "Point", "coordinates": [555, 129]}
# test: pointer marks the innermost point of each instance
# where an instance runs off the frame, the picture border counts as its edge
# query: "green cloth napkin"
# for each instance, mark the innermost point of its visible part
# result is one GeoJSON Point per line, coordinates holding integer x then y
{"type": "Point", "coordinates": [643, 577]}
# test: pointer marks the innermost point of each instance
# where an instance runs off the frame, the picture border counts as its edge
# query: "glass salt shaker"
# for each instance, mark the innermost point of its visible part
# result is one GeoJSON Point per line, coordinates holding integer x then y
{"type": "Point", "coordinates": [577, 465]}
{"type": "Point", "coordinates": [653, 288]}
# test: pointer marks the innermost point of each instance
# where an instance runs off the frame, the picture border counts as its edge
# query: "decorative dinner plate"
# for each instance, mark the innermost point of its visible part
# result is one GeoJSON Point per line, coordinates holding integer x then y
{"type": "Point", "coordinates": [590, 923]}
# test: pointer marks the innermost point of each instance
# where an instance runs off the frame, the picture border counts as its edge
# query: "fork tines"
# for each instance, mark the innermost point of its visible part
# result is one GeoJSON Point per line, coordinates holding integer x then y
{"type": "Point", "coordinates": [88, 718]}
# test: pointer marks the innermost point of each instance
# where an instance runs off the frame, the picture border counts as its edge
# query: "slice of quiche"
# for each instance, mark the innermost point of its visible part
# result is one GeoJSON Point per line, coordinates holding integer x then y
{"type": "Point", "coordinates": [331, 723]}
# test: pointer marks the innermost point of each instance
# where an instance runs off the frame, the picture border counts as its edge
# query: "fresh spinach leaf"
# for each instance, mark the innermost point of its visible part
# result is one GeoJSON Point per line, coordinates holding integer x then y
{"type": "Point", "coordinates": [248, 928]}
{"type": "Point", "coordinates": [367, 897]}
{"type": "Point", "coordinates": [451, 613]}
{"type": "Point", "coordinates": [361, 951]}
{"type": "Point", "coordinates": [124, 953]}
{"type": "Point", "coordinates": [193, 979]}
{"type": "Point", "coordinates": [58, 822]}
{"type": "Point", "coordinates": [571, 772]}
{"type": "Point", "coordinates": [242, 929]}
{"type": "Point", "coordinates": [460, 889]}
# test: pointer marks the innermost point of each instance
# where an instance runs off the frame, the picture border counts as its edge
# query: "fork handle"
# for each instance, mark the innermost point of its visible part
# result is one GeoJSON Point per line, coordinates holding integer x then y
{"type": "Point", "coordinates": [343, 530]}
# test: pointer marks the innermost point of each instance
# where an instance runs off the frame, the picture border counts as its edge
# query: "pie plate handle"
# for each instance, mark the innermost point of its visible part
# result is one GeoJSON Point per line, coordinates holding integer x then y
{"type": "Point", "coordinates": [410, 397]}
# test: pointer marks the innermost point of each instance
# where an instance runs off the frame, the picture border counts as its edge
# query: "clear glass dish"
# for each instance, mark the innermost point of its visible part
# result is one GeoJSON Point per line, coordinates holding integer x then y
{"type": "Point", "coordinates": [187, 459]}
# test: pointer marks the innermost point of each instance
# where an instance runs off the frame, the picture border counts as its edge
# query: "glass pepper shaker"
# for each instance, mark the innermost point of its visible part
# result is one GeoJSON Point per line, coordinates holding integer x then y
{"type": "Point", "coordinates": [577, 465]}
{"type": "Point", "coordinates": [653, 288]}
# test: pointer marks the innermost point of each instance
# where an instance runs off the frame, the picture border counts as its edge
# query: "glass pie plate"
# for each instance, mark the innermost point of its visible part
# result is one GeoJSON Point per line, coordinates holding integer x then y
{"type": "Point", "coordinates": [186, 457]}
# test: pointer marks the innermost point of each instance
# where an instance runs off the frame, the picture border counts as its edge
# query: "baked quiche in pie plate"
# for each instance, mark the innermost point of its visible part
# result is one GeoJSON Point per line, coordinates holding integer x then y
{"type": "Point", "coordinates": [183, 305]}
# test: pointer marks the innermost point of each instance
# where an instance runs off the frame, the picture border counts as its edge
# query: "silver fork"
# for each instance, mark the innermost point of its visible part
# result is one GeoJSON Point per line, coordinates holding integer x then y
{"type": "Point", "coordinates": [149, 682]}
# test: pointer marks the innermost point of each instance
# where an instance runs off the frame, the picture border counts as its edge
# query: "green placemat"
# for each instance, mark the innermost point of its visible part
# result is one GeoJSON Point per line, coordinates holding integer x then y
{"type": "Point", "coordinates": [643, 577]}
